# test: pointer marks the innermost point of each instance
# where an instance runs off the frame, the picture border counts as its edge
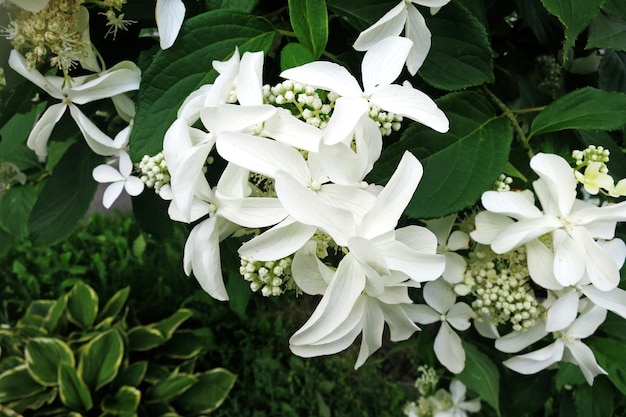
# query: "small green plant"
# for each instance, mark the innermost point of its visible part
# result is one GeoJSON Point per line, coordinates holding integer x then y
{"type": "Point", "coordinates": [68, 357]}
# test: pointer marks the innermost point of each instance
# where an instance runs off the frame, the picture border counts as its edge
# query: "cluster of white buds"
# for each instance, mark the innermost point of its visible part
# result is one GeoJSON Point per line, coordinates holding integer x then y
{"type": "Point", "coordinates": [154, 173]}
{"type": "Point", "coordinates": [591, 154]}
{"type": "Point", "coordinates": [428, 380]}
{"type": "Point", "coordinates": [428, 406]}
{"type": "Point", "coordinates": [52, 35]}
{"type": "Point", "coordinates": [501, 288]}
{"type": "Point", "coordinates": [503, 183]}
{"type": "Point", "coordinates": [550, 75]}
{"type": "Point", "coordinates": [386, 122]}
{"type": "Point", "coordinates": [305, 102]}
{"type": "Point", "coordinates": [272, 278]}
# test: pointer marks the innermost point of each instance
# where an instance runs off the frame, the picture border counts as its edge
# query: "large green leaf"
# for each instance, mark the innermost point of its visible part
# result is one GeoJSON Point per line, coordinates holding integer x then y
{"type": "Point", "coordinates": [575, 16]}
{"type": "Point", "coordinates": [82, 305]}
{"type": "Point", "coordinates": [612, 71]}
{"type": "Point", "coordinates": [132, 375]}
{"type": "Point", "coordinates": [594, 400]}
{"type": "Point", "coordinates": [360, 14]}
{"type": "Point", "coordinates": [208, 393]}
{"type": "Point", "coordinates": [14, 134]}
{"type": "Point", "coordinates": [44, 355]}
{"type": "Point", "coordinates": [169, 388]}
{"type": "Point", "coordinates": [16, 204]}
{"type": "Point", "coordinates": [587, 108]}
{"type": "Point", "coordinates": [72, 390]}
{"type": "Point", "coordinates": [242, 5]}
{"type": "Point", "coordinates": [168, 326]}
{"type": "Point", "coordinates": [610, 355]}
{"type": "Point", "coordinates": [460, 55]}
{"type": "Point", "coordinates": [607, 32]}
{"type": "Point", "coordinates": [126, 400]}
{"type": "Point", "coordinates": [115, 304]}
{"type": "Point", "coordinates": [144, 338]}
{"type": "Point", "coordinates": [100, 359]}
{"type": "Point", "coordinates": [481, 375]}
{"type": "Point", "coordinates": [295, 54]}
{"type": "Point", "coordinates": [458, 166]}
{"type": "Point", "coordinates": [186, 66]}
{"type": "Point", "coordinates": [65, 197]}
{"type": "Point", "coordinates": [16, 383]}
{"type": "Point", "coordinates": [309, 20]}
{"type": "Point", "coordinates": [615, 7]}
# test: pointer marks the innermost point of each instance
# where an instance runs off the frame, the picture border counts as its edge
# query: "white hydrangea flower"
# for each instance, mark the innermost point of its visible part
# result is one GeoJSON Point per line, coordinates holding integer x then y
{"type": "Point", "coordinates": [119, 180]}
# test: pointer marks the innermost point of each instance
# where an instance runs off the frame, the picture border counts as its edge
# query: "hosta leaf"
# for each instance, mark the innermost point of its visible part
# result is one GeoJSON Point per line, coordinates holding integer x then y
{"type": "Point", "coordinates": [65, 197]}
{"type": "Point", "coordinates": [144, 338]}
{"type": "Point", "coordinates": [208, 393]}
{"type": "Point", "coordinates": [460, 55]}
{"type": "Point", "coordinates": [115, 304]}
{"type": "Point", "coordinates": [82, 305]}
{"type": "Point", "coordinates": [586, 108]}
{"type": "Point", "coordinates": [575, 16]}
{"type": "Point", "coordinates": [72, 390]}
{"type": "Point", "coordinates": [100, 359]}
{"type": "Point", "coordinates": [17, 383]}
{"type": "Point", "coordinates": [178, 71]}
{"type": "Point", "coordinates": [607, 32]}
{"type": "Point", "coordinates": [126, 400]}
{"type": "Point", "coordinates": [168, 326]}
{"type": "Point", "coordinates": [170, 387]}
{"type": "Point", "coordinates": [458, 166]}
{"type": "Point", "coordinates": [309, 20]}
{"type": "Point", "coordinates": [44, 355]}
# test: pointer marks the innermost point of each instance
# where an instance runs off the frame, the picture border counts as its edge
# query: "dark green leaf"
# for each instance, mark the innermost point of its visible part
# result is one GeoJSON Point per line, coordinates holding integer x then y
{"type": "Point", "coordinates": [616, 8]}
{"type": "Point", "coordinates": [242, 5]}
{"type": "Point", "coordinates": [612, 71]}
{"type": "Point", "coordinates": [16, 204]}
{"type": "Point", "coordinates": [568, 375]}
{"type": "Point", "coordinates": [586, 108]}
{"type": "Point", "coordinates": [115, 304]}
{"type": "Point", "coordinates": [65, 197]}
{"type": "Point", "coordinates": [607, 32]}
{"type": "Point", "coordinates": [100, 359]}
{"type": "Point", "coordinates": [293, 55]}
{"type": "Point", "coordinates": [460, 55]}
{"type": "Point", "coordinates": [44, 355]}
{"type": "Point", "coordinates": [575, 15]}
{"type": "Point", "coordinates": [208, 393]}
{"type": "Point", "coordinates": [360, 14]}
{"type": "Point", "coordinates": [458, 166]}
{"type": "Point", "coordinates": [17, 383]}
{"type": "Point", "coordinates": [144, 338]}
{"type": "Point", "coordinates": [168, 326]}
{"type": "Point", "coordinates": [14, 134]}
{"type": "Point", "coordinates": [184, 344]}
{"type": "Point", "coordinates": [132, 375]}
{"type": "Point", "coordinates": [72, 390]}
{"type": "Point", "coordinates": [481, 375]}
{"type": "Point", "coordinates": [54, 315]}
{"type": "Point", "coordinates": [82, 305]}
{"type": "Point", "coordinates": [171, 387]}
{"type": "Point", "coordinates": [594, 400]}
{"type": "Point", "coordinates": [178, 71]}
{"type": "Point", "coordinates": [610, 355]}
{"type": "Point", "coordinates": [309, 20]}
{"type": "Point", "coordinates": [126, 400]}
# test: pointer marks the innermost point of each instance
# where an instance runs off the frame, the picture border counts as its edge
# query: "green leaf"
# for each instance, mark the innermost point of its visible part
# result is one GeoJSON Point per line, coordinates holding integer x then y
{"type": "Point", "coordinates": [100, 359]}
{"type": "Point", "coordinates": [545, 26]}
{"type": "Point", "coordinates": [34, 402]}
{"type": "Point", "coordinates": [184, 344]}
{"type": "Point", "coordinates": [17, 383]}
{"type": "Point", "coordinates": [144, 338]}
{"type": "Point", "coordinates": [458, 166]}
{"type": "Point", "coordinates": [242, 5]}
{"type": "Point", "coordinates": [54, 314]}
{"type": "Point", "coordinates": [82, 305]}
{"type": "Point", "coordinates": [178, 71]}
{"type": "Point", "coordinates": [615, 8]}
{"type": "Point", "coordinates": [610, 355]}
{"type": "Point", "coordinates": [14, 135]}
{"type": "Point", "coordinates": [72, 390]}
{"type": "Point", "coordinates": [169, 388]}
{"type": "Point", "coordinates": [115, 304]}
{"type": "Point", "coordinates": [16, 204]}
{"type": "Point", "coordinates": [309, 20]}
{"type": "Point", "coordinates": [481, 375]}
{"type": "Point", "coordinates": [594, 400]}
{"type": "Point", "coordinates": [44, 355]}
{"type": "Point", "coordinates": [360, 14]}
{"type": "Point", "coordinates": [65, 197]}
{"type": "Point", "coordinates": [208, 393]}
{"type": "Point", "coordinates": [568, 374]}
{"type": "Point", "coordinates": [168, 326]}
{"type": "Point", "coordinates": [460, 55]}
{"type": "Point", "coordinates": [612, 71]}
{"type": "Point", "coordinates": [132, 375]}
{"type": "Point", "coordinates": [126, 400]}
{"type": "Point", "coordinates": [575, 16]}
{"type": "Point", "coordinates": [293, 55]}
{"type": "Point", "coordinates": [607, 32]}
{"type": "Point", "coordinates": [585, 108]}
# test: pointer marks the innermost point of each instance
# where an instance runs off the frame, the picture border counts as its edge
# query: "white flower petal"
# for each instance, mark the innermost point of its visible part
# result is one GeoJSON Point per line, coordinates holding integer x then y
{"type": "Point", "coordinates": [119, 79]}
{"type": "Point", "coordinates": [278, 242]}
{"type": "Point", "coordinates": [111, 193]}
{"type": "Point", "coordinates": [422, 314]}
{"type": "Point", "coordinates": [614, 300]}
{"type": "Point", "coordinates": [516, 341]}
{"type": "Point", "coordinates": [601, 268]}
{"type": "Point", "coordinates": [449, 349]}
{"type": "Point", "coordinates": [351, 198]}
{"type": "Point", "coordinates": [401, 327]}
{"type": "Point", "coordinates": [234, 118]}
{"type": "Point", "coordinates": [106, 173]}
{"type": "Point", "coordinates": [98, 141]}
{"type": "Point", "coordinates": [533, 362]}
{"type": "Point", "coordinates": [417, 238]}
{"type": "Point", "coordinates": [347, 114]}
{"type": "Point", "coordinates": [519, 233]}
{"type": "Point", "coordinates": [252, 211]}
{"type": "Point", "coordinates": [133, 186]}
{"type": "Point", "coordinates": [459, 316]}
{"type": "Point", "coordinates": [540, 262]}
{"type": "Point", "coordinates": [285, 128]}
{"type": "Point", "coordinates": [585, 359]}
{"type": "Point", "coordinates": [383, 63]}
{"type": "Point", "coordinates": [417, 31]}
{"type": "Point", "coordinates": [309, 273]}
{"type": "Point", "coordinates": [569, 258]}
{"type": "Point", "coordinates": [511, 203]}
{"type": "Point", "coordinates": [169, 15]}
{"type": "Point", "coordinates": [373, 326]}
{"type": "Point", "coordinates": [40, 134]}
{"type": "Point", "coordinates": [455, 267]}
{"type": "Point", "coordinates": [326, 76]}
{"type": "Point", "coordinates": [249, 81]}
{"type": "Point", "coordinates": [439, 295]}
{"type": "Point", "coordinates": [587, 323]}
{"type": "Point", "coordinates": [559, 178]}
{"type": "Point", "coordinates": [391, 24]}
{"type": "Point", "coordinates": [18, 63]}
{"type": "Point", "coordinates": [420, 267]}
{"type": "Point", "coordinates": [33, 6]}
{"type": "Point", "coordinates": [563, 312]}
{"type": "Point", "coordinates": [488, 226]}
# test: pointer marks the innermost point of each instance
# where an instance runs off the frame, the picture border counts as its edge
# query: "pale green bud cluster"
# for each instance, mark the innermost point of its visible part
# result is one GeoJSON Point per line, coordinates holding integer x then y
{"type": "Point", "coordinates": [428, 380]}
{"type": "Point", "coordinates": [304, 101]}
{"type": "Point", "coordinates": [387, 122]}
{"type": "Point", "coordinates": [272, 278]}
{"type": "Point", "coordinates": [501, 288]}
{"type": "Point", "coordinates": [154, 173]}
{"type": "Point", "coordinates": [323, 242]}
{"type": "Point", "coordinates": [53, 35]}
{"type": "Point", "coordinates": [592, 154]}
{"type": "Point", "coordinates": [550, 75]}
{"type": "Point", "coordinates": [503, 183]}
